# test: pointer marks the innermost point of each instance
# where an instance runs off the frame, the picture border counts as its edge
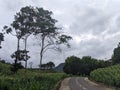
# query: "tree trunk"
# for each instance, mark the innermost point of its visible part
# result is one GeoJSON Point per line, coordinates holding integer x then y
{"type": "Point", "coordinates": [41, 51]}
{"type": "Point", "coordinates": [25, 54]}
{"type": "Point", "coordinates": [25, 64]}
{"type": "Point", "coordinates": [16, 59]}
{"type": "Point", "coordinates": [41, 56]}
{"type": "Point", "coordinates": [18, 46]}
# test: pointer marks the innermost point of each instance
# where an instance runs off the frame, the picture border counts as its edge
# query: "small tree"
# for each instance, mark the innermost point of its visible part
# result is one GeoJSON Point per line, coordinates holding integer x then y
{"type": "Point", "coordinates": [50, 65]}
{"type": "Point", "coordinates": [43, 66]}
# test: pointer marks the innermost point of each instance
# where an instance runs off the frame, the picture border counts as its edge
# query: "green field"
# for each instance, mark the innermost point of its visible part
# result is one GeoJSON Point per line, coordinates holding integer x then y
{"type": "Point", "coordinates": [109, 76]}
{"type": "Point", "coordinates": [28, 80]}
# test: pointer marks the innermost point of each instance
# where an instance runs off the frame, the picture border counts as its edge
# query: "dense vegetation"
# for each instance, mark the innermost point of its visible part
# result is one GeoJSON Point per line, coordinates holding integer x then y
{"type": "Point", "coordinates": [109, 76]}
{"type": "Point", "coordinates": [116, 55]}
{"type": "Point", "coordinates": [27, 79]}
{"type": "Point", "coordinates": [30, 81]}
{"type": "Point", "coordinates": [75, 65]}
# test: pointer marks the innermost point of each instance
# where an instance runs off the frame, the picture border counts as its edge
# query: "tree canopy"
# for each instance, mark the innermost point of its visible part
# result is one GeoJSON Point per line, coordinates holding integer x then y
{"type": "Point", "coordinates": [116, 55]}
{"type": "Point", "coordinates": [40, 23]}
{"type": "Point", "coordinates": [83, 66]}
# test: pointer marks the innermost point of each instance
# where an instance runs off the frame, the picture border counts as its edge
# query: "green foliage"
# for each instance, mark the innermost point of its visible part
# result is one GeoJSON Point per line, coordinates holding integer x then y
{"type": "Point", "coordinates": [75, 65]}
{"type": "Point", "coordinates": [116, 55]}
{"type": "Point", "coordinates": [5, 69]}
{"type": "Point", "coordinates": [16, 67]}
{"type": "Point", "coordinates": [31, 81]}
{"type": "Point", "coordinates": [72, 65]}
{"type": "Point", "coordinates": [109, 76]}
{"type": "Point", "coordinates": [63, 39]}
{"type": "Point", "coordinates": [28, 79]}
{"type": "Point", "coordinates": [47, 66]}
{"type": "Point", "coordinates": [21, 54]}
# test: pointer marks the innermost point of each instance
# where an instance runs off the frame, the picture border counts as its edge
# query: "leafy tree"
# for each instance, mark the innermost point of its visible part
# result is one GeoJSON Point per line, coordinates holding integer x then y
{"type": "Point", "coordinates": [116, 55]}
{"type": "Point", "coordinates": [18, 34]}
{"type": "Point", "coordinates": [50, 36]}
{"type": "Point", "coordinates": [38, 22]}
{"type": "Point", "coordinates": [22, 29]}
{"type": "Point", "coordinates": [24, 21]}
{"type": "Point", "coordinates": [72, 65]}
{"type": "Point", "coordinates": [17, 29]}
{"type": "Point", "coordinates": [88, 64]}
{"type": "Point", "coordinates": [50, 65]}
{"type": "Point", "coordinates": [75, 65]}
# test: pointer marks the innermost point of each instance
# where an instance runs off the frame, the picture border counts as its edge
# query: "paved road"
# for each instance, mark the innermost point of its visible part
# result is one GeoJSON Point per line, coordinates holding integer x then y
{"type": "Point", "coordinates": [80, 83]}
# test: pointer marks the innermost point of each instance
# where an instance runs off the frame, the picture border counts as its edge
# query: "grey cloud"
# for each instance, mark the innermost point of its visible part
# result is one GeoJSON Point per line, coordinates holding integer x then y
{"type": "Point", "coordinates": [82, 17]}
{"type": "Point", "coordinates": [11, 5]}
{"type": "Point", "coordinates": [92, 21]}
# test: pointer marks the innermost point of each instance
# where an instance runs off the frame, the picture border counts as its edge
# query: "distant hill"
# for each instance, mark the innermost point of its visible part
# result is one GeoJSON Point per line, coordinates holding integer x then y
{"type": "Point", "coordinates": [59, 68]}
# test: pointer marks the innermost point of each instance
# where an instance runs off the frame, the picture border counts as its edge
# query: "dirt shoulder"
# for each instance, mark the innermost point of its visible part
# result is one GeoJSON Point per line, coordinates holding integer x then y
{"type": "Point", "coordinates": [65, 84]}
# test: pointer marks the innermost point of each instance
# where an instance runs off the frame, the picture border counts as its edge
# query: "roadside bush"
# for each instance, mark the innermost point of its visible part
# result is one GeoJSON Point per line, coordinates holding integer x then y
{"type": "Point", "coordinates": [109, 76]}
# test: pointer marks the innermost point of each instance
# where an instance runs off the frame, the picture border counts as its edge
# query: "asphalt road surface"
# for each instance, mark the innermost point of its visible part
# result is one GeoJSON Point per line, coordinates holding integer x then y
{"type": "Point", "coordinates": [81, 83]}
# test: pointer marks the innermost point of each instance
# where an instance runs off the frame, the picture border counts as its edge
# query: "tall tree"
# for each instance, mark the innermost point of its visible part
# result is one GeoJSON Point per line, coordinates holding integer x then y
{"type": "Point", "coordinates": [39, 22]}
{"type": "Point", "coordinates": [23, 26]}
{"type": "Point", "coordinates": [26, 57]}
{"type": "Point", "coordinates": [50, 36]}
{"type": "Point", "coordinates": [18, 34]}
{"type": "Point", "coordinates": [24, 20]}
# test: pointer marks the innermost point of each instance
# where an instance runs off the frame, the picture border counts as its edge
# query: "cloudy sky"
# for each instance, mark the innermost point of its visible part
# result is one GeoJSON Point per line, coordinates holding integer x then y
{"type": "Point", "coordinates": [93, 24]}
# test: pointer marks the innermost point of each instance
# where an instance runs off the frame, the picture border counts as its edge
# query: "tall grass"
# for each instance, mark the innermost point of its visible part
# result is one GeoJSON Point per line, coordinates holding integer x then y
{"type": "Point", "coordinates": [28, 80]}
{"type": "Point", "coordinates": [109, 76]}
{"type": "Point", "coordinates": [31, 82]}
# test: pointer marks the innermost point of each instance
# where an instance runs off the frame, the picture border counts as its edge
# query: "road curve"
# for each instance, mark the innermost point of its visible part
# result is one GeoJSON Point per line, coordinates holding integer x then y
{"type": "Point", "coordinates": [81, 83]}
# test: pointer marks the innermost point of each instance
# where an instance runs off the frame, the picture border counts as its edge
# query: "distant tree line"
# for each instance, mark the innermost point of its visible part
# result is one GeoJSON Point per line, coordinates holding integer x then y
{"type": "Point", "coordinates": [86, 64]}
{"type": "Point", "coordinates": [4, 61]}
{"type": "Point", "coordinates": [83, 66]}
{"type": "Point", "coordinates": [48, 66]}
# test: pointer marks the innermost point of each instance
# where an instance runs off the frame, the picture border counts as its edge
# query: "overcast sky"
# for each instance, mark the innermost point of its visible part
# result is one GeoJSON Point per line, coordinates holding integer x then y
{"type": "Point", "coordinates": [93, 24]}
